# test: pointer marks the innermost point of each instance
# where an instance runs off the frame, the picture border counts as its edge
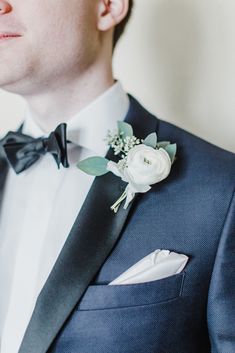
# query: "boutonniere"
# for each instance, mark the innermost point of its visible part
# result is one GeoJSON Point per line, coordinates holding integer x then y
{"type": "Point", "coordinates": [142, 162]}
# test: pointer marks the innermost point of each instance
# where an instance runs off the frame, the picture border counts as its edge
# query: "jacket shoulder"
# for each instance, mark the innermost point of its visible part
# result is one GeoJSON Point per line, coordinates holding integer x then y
{"type": "Point", "coordinates": [211, 163]}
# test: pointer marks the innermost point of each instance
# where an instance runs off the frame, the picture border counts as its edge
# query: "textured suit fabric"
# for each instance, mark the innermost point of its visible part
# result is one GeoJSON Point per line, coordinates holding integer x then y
{"type": "Point", "coordinates": [190, 212]}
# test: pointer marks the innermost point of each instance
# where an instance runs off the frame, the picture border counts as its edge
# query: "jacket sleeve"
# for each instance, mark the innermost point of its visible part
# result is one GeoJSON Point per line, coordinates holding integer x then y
{"type": "Point", "coordinates": [221, 298]}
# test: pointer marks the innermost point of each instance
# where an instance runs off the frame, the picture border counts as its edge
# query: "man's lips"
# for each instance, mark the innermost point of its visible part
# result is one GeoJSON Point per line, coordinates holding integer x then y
{"type": "Point", "coordinates": [9, 35]}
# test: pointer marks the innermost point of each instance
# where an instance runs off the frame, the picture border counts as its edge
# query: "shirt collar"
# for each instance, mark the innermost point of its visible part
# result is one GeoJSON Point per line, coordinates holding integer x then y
{"type": "Point", "coordinates": [89, 127]}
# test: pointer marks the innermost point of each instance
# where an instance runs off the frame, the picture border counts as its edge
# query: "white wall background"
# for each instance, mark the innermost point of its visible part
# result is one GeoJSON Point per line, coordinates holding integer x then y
{"type": "Point", "coordinates": [178, 58]}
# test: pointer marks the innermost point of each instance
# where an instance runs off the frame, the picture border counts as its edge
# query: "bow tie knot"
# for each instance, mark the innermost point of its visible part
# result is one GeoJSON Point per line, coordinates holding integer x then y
{"type": "Point", "coordinates": [23, 150]}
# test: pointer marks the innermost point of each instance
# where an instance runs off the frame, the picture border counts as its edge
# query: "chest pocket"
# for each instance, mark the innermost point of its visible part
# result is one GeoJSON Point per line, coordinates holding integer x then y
{"type": "Point", "coordinates": [116, 296]}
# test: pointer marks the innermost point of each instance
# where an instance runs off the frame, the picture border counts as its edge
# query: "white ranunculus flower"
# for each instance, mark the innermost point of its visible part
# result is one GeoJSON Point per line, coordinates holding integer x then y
{"type": "Point", "coordinates": [146, 166]}
{"type": "Point", "coordinates": [143, 166]}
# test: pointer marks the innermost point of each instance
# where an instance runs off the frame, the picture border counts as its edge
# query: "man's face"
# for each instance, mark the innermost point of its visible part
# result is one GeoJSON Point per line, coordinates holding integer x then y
{"type": "Point", "coordinates": [58, 41]}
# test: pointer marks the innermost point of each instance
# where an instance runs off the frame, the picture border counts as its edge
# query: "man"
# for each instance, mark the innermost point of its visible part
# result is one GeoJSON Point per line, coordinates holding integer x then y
{"type": "Point", "coordinates": [61, 245]}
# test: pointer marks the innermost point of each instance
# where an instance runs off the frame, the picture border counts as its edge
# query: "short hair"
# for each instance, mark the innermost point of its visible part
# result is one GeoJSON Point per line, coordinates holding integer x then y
{"type": "Point", "coordinates": [119, 29]}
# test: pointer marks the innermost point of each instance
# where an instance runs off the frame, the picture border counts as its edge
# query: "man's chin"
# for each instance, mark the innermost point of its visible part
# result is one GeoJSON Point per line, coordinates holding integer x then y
{"type": "Point", "coordinates": [15, 86]}
{"type": "Point", "coordinates": [9, 88]}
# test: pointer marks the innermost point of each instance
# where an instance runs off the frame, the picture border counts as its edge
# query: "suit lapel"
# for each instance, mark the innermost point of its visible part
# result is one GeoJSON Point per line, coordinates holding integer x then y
{"type": "Point", "coordinates": [91, 239]}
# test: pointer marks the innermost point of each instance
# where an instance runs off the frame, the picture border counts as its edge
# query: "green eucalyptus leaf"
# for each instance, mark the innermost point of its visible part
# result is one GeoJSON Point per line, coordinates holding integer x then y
{"type": "Point", "coordinates": [94, 165]}
{"type": "Point", "coordinates": [151, 140]}
{"type": "Point", "coordinates": [171, 150]}
{"type": "Point", "coordinates": [125, 129]}
{"type": "Point", "coordinates": [163, 144]}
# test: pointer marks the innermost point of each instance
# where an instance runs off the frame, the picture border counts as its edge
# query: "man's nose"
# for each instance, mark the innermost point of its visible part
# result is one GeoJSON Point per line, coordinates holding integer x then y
{"type": "Point", "coordinates": [5, 7]}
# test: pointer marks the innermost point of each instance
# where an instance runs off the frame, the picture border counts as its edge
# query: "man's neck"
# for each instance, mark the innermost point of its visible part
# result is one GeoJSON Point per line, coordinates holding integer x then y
{"type": "Point", "coordinates": [58, 104]}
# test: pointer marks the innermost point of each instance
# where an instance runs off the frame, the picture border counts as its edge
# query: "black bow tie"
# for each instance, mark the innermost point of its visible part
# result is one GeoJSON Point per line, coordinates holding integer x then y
{"type": "Point", "coordinates": [23, 150]}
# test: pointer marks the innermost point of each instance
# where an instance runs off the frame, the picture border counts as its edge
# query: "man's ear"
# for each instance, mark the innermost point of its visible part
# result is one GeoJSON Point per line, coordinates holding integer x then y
{"type": "Point", "coordinates": [110, 13]}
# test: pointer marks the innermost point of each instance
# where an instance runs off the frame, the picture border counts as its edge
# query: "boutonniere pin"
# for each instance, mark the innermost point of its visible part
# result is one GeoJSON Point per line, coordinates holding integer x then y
{"type": "Point", "coordinates": [142, 162]}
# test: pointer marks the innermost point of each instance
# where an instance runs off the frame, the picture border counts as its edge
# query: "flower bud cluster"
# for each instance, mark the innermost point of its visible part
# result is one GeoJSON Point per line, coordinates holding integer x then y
{"type": "Point", "coordinates": [121, 145]}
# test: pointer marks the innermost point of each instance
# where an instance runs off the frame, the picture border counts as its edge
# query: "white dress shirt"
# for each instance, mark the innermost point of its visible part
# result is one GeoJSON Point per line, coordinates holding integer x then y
{"type": "Point", "coordinates": [39, 208]}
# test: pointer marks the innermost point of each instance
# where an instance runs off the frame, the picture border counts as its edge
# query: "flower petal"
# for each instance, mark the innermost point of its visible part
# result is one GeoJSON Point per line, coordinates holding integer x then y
{"type": "Point", "coordinates": [114, 168]}
{"type": "Point", "coordinates": [139, 188]}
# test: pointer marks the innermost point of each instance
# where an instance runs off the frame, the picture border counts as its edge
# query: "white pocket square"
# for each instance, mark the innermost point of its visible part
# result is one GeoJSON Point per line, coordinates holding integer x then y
{"type": "Point", "coordinates": [157, 265]}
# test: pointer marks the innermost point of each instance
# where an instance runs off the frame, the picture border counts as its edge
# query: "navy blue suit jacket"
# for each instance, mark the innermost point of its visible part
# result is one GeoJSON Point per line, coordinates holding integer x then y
{"type": "Point", "coordinates": [191, 212]}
